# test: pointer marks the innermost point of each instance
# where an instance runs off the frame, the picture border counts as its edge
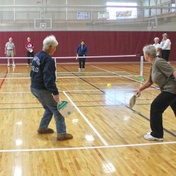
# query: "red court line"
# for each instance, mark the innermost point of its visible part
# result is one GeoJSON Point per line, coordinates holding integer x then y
{"type": "Point", "coordinates": [3, 79]}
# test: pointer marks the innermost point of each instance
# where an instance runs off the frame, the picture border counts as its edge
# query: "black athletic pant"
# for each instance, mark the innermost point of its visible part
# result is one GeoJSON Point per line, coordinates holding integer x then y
{"type": "Point", "coordinates": [82, 62]}
{"type": "Point", "coordinates": [29, 54]}
{"type": "Point", "coordinates": [165, 54]}
{"type": "Point", "coordinates": [158, 106]}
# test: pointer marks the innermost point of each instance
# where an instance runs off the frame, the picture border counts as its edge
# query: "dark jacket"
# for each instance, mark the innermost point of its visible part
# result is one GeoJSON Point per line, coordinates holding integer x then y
{"type": "Point", "coordinates": [82, 50]}
{"type": "Point", "coordinates": [43, 73]}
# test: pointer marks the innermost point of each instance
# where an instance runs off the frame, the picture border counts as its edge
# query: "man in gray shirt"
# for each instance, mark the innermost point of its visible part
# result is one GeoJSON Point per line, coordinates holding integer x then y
{"type": "Point", "coordinates": [10, 51]}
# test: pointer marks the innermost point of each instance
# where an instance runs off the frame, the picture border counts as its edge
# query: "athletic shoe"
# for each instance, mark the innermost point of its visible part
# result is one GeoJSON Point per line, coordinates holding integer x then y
{"type": "Point", "coordinates": [62, 137]}
{"type": "Point", "coordinates": [8, 65]}
{"type": "Point", "coordinates": [13, 65]}
{"type": "Point", "coordinates": [149, 137]}
{"type": "Point", "coordinates": [45, 130]}
{"type": "Point", "coordinates": [79, 69]}
{"type": "Point", "coordinates": [83, 69]}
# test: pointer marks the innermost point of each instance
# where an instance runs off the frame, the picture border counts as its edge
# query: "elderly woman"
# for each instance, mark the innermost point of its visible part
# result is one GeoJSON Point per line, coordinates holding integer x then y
{"type": "Point", "coordinates": [43, 87]}
{"type": "Point", "coordinates": [163, 74]}
{"type": "Point", "coordinates": [81, 53]}
{"type": "Point", "coordinates": [165, 47]}
{"type": "Point", "coordinates": [157, 46]}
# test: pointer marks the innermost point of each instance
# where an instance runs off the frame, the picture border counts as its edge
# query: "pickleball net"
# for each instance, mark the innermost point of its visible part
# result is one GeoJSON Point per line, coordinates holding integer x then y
{"type": "Point", "coordinates": [71, 60]}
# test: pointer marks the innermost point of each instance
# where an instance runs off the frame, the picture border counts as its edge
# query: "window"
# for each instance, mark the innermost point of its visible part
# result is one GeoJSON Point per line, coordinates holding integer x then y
{"type": "Point", "coordinates": [121, 12]}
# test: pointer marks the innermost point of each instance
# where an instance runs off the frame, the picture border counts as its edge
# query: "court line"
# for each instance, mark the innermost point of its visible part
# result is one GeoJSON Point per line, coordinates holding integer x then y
{"type": "Point", "coordinates": [76, 72]}
{"type": "Point", "coordinates": [19, 103]}
{"type": "Point", "coordinates": [15, 92]}
{"type": "Point", "coordinates": [3, 79]}
{"type": "Point", "coordinates": [65, 77]}
{"type": "Point", "coordinates": [17, 78]}
{"type": "Point", "coordinates": [88, 122]}
{"type": "Point", "coordinates": [90, 147]}
{"type": "Point", "coordinates": [115, 73]}
{"type": "Point", "coordinates": [61, 91]}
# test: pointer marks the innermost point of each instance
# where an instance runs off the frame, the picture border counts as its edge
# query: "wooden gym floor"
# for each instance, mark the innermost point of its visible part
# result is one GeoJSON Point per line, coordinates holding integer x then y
{"type": "Point", "coordinates": [108, 135]}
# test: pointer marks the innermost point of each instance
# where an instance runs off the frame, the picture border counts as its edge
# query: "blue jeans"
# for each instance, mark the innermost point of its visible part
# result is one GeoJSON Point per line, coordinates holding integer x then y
{"type": "Point", "coordinates": [50, 106]}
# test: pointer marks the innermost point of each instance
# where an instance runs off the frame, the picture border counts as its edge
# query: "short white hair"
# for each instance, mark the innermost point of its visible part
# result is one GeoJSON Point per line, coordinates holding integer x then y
{"type": "Point", "coordinates": [156, 38]}
{"type": "Point", "coordinates": [150, 49]}
{"type": "Point", "coordinates": [49, 41]}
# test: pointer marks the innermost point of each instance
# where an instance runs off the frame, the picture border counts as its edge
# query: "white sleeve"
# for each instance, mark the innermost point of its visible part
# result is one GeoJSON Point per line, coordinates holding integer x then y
{"type": "Point", "coordinates": [159, 46]}
{"type": "Point", "coordinates": [166, 44]}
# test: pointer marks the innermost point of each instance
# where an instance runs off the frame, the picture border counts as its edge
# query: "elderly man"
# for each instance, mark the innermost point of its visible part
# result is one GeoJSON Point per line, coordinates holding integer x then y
{"type": "Point", "coordinates": [10, 51]}
{"type": "Point", "coordinates": [43, 87]}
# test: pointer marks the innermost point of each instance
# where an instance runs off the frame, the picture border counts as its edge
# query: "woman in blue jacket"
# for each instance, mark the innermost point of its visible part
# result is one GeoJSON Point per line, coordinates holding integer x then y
{"type": "Point", "coordinates": [81, 55]}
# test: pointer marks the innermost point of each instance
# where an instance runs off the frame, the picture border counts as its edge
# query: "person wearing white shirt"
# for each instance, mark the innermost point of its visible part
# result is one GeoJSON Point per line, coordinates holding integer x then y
{"type": "Point", "coordinates": [165, 47]}
{"type": "Point", "coordinates": [157, 46]}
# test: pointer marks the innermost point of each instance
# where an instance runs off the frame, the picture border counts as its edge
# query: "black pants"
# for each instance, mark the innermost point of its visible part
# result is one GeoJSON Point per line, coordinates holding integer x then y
{"type": "Point", "coordinates": [165, 54]}
{"type": "Point", "coordinates": [29, 54]}
{"type": "Point", "coordinates": [158, 106]}
{"type": "Point", "coordinates": [82, 62]}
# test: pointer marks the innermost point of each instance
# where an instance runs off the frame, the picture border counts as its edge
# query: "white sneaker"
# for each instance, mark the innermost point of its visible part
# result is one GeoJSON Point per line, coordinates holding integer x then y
{"type": "Point", "coordinates": [8, 65]}
{"type": "Point", "coordinates": [83, 69]}
{"type": "Point", "coordinates": [79, 69]}
{"type": "Point", "coordinates": [13, 65]}
{"type": "Point", "coordinates": [149, 137]}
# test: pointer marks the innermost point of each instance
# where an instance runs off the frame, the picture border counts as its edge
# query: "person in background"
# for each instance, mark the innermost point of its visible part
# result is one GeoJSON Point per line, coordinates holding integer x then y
{"type": "Point", "coordinates": [163, 74]}
{"type": "Point", "coordinates": [165, 47]}
{"type": "Point", "coordinates": [29, 45]}
{"type": "Point", "coordinates": [81, 53]}
{"type": "Point", "coordinates": [44, 88]}
{"type": "Point", "coordinates": [10, 51]}
{"type": "Point", "coordinates": [157, 46]}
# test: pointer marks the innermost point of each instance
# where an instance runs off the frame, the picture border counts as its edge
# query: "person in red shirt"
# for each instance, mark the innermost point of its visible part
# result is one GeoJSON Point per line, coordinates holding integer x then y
{"type": "Point", "coordinates": [30, 50]}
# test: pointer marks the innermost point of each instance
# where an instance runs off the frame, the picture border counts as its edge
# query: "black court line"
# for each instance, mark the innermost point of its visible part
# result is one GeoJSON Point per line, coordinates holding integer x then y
{"type": "Point", "coordinates": [82, 106]}
{"type": "Point", "coordinates": [88, 106]}
{"type": "Point", "coordinates": [116, 99]}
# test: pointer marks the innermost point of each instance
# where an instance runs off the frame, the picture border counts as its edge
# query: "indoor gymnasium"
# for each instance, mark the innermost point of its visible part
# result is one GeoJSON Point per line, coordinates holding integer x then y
{"type": "Point", "coordinates": [87, 88]}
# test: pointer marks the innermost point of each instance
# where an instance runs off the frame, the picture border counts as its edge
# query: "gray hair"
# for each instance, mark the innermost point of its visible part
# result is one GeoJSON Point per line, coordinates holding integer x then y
{"type": "Point", "coordinates": [165, 34]}
{"type": "Point", "coordinates": [156, 38]}
{"type": "Point", "coordinates": [150, 49]}
{"type": "Point", "coordinates": [49, 41]}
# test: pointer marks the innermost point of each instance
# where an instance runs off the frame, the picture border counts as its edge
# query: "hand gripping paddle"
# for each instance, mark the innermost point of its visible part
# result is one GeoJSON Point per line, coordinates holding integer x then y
{"type": "Point", "coordinates": [65, 108]}
{"type": "Point", "coordinates": [132, 101]}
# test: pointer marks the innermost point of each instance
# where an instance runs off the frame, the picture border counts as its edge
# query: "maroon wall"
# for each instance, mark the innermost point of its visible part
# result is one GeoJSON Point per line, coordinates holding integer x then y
{"type": "Point", "coordinates": [99, 43]}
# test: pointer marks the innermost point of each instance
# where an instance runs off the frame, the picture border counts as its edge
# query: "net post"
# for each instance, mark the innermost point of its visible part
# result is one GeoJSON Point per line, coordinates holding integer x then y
{"type": "Point", "coordinates": [56, 68]}
{"type": "Point", "coordinates": [141, 65]}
